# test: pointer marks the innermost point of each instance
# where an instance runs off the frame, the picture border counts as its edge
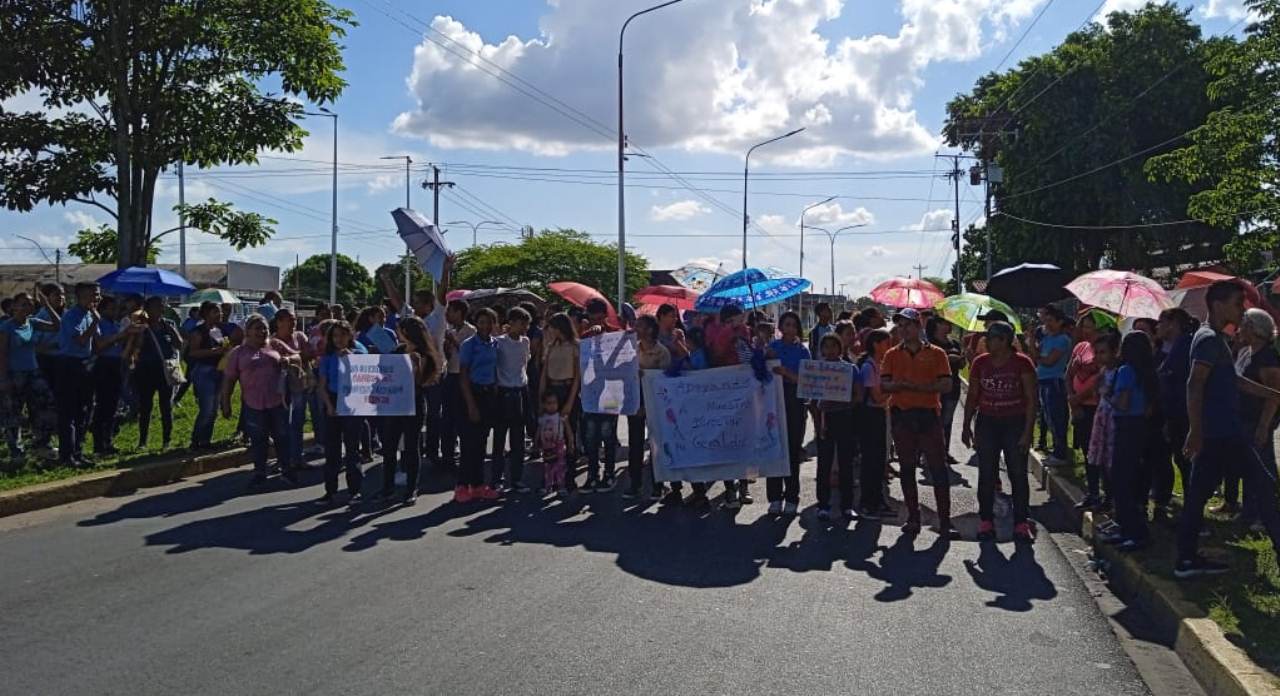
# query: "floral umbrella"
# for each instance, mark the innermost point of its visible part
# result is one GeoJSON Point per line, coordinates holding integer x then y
{"type": "Point", "coordinates": [907, 292]}
{"type": "Point", "coordinates": [1124, 293]}
{"type": "Point", "coordinates": [750, 288]}
{"type": "Point", "coordinates": [964, 310]}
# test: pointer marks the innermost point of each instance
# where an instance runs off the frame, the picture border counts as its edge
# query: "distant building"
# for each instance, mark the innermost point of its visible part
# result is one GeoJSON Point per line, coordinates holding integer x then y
{"type": "Point", "coordinates": [17, 278]}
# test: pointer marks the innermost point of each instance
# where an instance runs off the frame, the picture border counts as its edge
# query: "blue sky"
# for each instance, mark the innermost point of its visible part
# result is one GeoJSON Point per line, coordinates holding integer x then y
{"type": "Point", "coordinates": [705, 79]}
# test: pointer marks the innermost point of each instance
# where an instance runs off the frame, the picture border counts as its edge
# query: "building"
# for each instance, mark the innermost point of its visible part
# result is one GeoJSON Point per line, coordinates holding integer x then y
{"type": "Point", "coordinates": [23, 277]}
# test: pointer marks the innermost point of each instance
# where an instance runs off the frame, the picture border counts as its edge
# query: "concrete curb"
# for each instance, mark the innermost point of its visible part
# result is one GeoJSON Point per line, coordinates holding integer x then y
{"type": "Point", "coordinates": [1219, 666]}
{"type": "Point", "coordinates": [119, 481]}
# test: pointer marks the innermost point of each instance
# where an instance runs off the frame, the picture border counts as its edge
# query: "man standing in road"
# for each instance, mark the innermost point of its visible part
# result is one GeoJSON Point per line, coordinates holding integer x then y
{"type": "Point", "coordinates": [75, 349]}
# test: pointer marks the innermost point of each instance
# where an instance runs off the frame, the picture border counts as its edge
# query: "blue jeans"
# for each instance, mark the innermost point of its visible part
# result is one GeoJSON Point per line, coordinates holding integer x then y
{"type": "Point", "coordinates": [205, 381]}
{"type": "Point", "coordinates": [600, 428]}
{"type": "Point", "coordinates": [1053, 404]}
{"type": "Point", "coordinates": [267, 423]}
{"type": "Point", "coordinates": [297, 414]}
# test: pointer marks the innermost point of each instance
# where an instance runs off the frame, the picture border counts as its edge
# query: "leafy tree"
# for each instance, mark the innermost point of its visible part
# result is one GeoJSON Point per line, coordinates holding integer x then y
{"type": "Point", "coordinates": [1236, 152]}
{"type": "Point", "coordinates": [544, 258]}
{"type": "Point", "coordinates": [1049, 123]}
{"type": "Point", "coordinates": [395, 271]}
{"type": "Point", "coordinates": [128, 87]}
{"type": "Point", "coordinates": [99, 245]}
{"type": "Point", "coordinates": [355, 285]}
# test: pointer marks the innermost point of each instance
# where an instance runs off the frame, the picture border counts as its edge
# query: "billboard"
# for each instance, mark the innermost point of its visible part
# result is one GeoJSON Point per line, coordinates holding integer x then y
{"type": "Point", "coordinates": [252, 276]}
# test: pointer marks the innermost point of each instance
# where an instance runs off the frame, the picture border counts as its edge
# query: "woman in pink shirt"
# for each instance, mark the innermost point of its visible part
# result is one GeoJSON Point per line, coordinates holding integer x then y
{"type": "Point", "coordinates": [299, 379]}
{"type": "Point", "coordinates": [259, 368]}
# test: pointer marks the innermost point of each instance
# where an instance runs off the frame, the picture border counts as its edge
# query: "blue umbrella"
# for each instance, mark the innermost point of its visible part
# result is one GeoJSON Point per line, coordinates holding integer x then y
{"type": "Point", "coordinates": [751, 288]}
{"type": "Point", "coordinates": [145, 280]}
{"type": "Point", "coordinates": [423, 239]}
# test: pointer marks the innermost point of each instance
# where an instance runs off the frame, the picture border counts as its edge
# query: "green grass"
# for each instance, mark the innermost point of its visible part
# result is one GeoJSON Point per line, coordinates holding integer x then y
{"type": "Point", "coordinates": [184, 414]}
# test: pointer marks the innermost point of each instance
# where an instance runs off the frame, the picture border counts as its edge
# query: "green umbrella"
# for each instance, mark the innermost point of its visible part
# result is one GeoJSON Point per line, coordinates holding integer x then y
{"type": "Point", "coordinates": [1102, 319]}
{"type": "Point", "coordinates": [964, 310]}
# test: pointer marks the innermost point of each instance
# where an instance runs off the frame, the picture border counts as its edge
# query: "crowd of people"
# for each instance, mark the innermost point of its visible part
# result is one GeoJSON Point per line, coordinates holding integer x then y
{"type": "Point", "coordinates": [494, 393]}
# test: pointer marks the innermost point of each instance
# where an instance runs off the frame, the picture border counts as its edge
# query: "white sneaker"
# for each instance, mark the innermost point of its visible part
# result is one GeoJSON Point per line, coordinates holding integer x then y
{"type": "Point", "coordinates": [790, 508]}
{"type": "Point", "coordinates": [775, 508]}
{"type": "Point", "coordinates": [850, 514]}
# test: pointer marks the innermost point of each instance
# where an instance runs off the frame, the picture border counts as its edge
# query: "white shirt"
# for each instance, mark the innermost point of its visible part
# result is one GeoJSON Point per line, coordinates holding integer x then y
{"type": "Point", "coordinates": [513, 356]}
{"type": "Point", "coordinates": [436, 326]}
{"type": "Point", "coordinates": [460, 334]}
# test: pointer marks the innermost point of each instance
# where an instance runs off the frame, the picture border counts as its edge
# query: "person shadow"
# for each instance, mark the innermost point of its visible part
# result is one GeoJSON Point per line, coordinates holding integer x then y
{"type": "Point", "coordinates": [902, 568]}
{"type": "Point", "coordinates": [823, 544]}
{"type": "Point", "coordinates": [1016, 580]}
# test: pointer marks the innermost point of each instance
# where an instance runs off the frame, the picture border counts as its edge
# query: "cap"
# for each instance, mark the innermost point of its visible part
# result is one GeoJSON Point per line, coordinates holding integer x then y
{"type": "Point", "coordinates": [1000, 329]}
{"type": "Point", "coordinates": [993, 315]}
{"type": "Point", "coordinates": [906, 313]}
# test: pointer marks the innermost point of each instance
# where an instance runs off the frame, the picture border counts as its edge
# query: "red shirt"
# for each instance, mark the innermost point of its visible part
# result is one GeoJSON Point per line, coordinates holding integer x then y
{"type": "Point", "coordinates": [1000, 386]}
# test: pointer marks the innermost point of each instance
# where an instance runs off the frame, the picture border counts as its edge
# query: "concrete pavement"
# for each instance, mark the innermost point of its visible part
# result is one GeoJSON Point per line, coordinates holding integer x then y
{"type": "Point", "coordinates": [203, 588]}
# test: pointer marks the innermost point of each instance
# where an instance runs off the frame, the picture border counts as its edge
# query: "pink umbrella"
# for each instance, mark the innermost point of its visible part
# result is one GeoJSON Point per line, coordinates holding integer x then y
{"type": "Point", "coordinates": [1124, 293]}
{"type": "Point", "coordinates": [683, 298]}
{"type": "Point", "coordinates": [907, 292]}
{"type": "Point", "coordinates": [578, 294]}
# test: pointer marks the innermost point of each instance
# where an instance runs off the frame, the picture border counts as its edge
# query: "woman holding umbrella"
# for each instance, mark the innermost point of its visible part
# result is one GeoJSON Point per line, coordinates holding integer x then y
{"type": "Point", "coordinates": [155, 342]}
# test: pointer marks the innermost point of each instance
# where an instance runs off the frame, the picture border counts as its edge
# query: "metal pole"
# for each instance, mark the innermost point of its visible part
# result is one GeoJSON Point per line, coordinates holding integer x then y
{"type": "Point", "coordinates": [955, 173]}
{"type": "Point", "coordinates": [408, 257]}
{"type": "Point", "coordinates": [333, 241]}
{"type": "Point", "coordinates": [986, 209]}
{"type": "Point", "coordinates": [182, 223]}
{"type": "Point", "coordinates": [746, 171]}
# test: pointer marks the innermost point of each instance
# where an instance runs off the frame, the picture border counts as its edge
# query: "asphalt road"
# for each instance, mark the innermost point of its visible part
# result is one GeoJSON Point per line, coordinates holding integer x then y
{"type": "Point", "coordinates": [204, 588]}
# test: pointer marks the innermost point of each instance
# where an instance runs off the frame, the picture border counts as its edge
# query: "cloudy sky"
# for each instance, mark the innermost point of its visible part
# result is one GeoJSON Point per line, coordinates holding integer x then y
{"type": "Point", "coordinates": [515, 101]}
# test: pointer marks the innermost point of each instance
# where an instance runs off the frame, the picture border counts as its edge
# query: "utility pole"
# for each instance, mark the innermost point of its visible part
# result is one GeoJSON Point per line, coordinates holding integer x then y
{"type": "Point", "coordinates": [955, 222]}
{"type": "Point", "coordinates": [182, 223]}
{"type": "Point", "coordinates": [57, 266]}
{"type": "Point", "coordinates": [408, 204]}
{"type": "Point", "coordinates": [919, 271]}
{"type": "Point", "coordinates": [435, 185]}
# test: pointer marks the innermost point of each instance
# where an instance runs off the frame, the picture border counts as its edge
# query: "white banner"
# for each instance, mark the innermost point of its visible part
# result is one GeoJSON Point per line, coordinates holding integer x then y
{"type": "Point", "coordinates": [826, 380]}
{"type": "Point", "coordinates": [717, 424]}
{"type": "Point", "coordinates": [375, 385]}
{"type": "Point", "coordinates": [610, 374]}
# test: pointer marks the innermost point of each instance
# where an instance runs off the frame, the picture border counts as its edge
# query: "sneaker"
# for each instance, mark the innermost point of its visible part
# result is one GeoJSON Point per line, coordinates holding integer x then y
{"type": "Point", "coordinates": [1110, 536]}
{"type": "Point", "coordinates": [731, 500]}
{"type": "Point", "coordinates": [630, 494]}
{"type": "Point", "coordinates": [1197, 567]}
{"type": "Point", "coordinates": [485, 493]}
{"type": "Point", "coordinates": [850, 514]}
{"type": "Point", "coordinates": [986, 530]}
{"type": "Point", "coordinates": [1024, 531]}
{"type": "Point", "coordinates": [356, 498]}
{"type": "Point", "coordinates": [1088, 503]}
{"type": "Point", "coordinates": [520, 489]}
{"type": "Point", "coordinates": [673, 497]}
{"type": "Point", "coordinates": [410, 498]}
{"type": "Point", "coordinates": [462, 494]}
{"type": "Point", "coordinates": [1225, 509]}
{"type": "Point", "coordinates": [775, 508]}
{"type": "Point", "coordinates": [744, 495]}
{"type": "Point", "coordinates": [824, 515]}
{"type": "Point", "coordinates": [592, 485]}
{"type": "Point", "coordinates": [948, 532]}
{"type": "Point", "coordinates": [290, 476]}
{"type": "Point", "coordinates": [790, 509]}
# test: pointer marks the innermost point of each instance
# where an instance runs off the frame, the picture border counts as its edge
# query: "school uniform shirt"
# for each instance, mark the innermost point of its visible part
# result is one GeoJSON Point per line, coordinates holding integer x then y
{"type": "Point", "coordinates": [460, 336]}
{"type": "Point", "coordinates": [1060, 342]}
{"type": "Point", "coordinates": [21, 344]}
{"type": "Point", "coordinates": [815, 337]}
{"type": "Point", "coordinates": [513, 358]}
{"type": "Point", "coordinates": [925, 365]}
{"type": "Point", "coordinates": [378, 339]}
{"type": "Point", "coordinates": [790, 354]}
{"type": "Point", "coordinates": [868, 375]}
{"type": "Point", "coordinates": [75, 322]}
{"type": "Point", "coordinates": [1126, 380]}
{"type": "Point", "coordinates": [330, 365]}
{"type": "Point", "coordinates": [268, 310]}
{"type": "Point", "coordinates": [189, 324]}
{"type": "Point", "coordinates": [437, 325]}
{"type": "Point", "coordinates": [1001, 393]}
{"type": "Point", "coordinates": [259, 371]}
{"type": "Point", "coordinates": [1221, 403]}
{"type": "Point", "coordinates": [479, 354]}
{"type": "Point", "coordinates": [108, 328]}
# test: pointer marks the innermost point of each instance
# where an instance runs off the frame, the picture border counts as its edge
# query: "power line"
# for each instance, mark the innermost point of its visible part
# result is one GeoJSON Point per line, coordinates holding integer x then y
{"type": "Point", "coordinates": [1136, 225]}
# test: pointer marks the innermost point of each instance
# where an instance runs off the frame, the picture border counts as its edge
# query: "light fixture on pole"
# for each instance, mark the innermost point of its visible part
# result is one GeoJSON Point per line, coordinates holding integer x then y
{"type": "Point", "coordinates": [802, 214]}
{"type": "Point", "coordinates": [408, 204]}
{"type": "Point", "coordinates": [832, 236]}
{"type": "Point", "coordinates": [333, 240]}
{"type": "Point", "coordinates": [475, 226]}
{"type": "Point", "coordinates": [622, 159]}
{"type": "Point", "coordinates": [746, 169]}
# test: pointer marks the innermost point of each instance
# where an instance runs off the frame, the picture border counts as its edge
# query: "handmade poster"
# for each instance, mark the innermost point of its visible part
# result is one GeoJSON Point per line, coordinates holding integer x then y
{"type": "Point", "coordinates": [826, 380]}
{"type": "Point", "coordinates": [717, 424]}
{"type": "Point", "coordinates": [610, 374]}
{"type": "Point", "coordinates": [375, 385]}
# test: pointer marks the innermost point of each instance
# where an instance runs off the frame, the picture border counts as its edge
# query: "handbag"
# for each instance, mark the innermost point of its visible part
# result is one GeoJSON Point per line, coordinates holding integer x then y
{"type": "Point", "coordinates": [171, 367]}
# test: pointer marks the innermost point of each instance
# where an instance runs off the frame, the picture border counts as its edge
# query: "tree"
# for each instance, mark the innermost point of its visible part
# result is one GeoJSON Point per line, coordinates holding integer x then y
{"type": "Point", "coordinates": [99, 245]}
{"type": "Point", "coordinates": [1235, 153]}
{"type": "Point", "coordinates": [395, 271]}
{"type": "Point", "coordinates": [129, 87]}
{"type": "Point", "coordinates": [1057, 124]}
{"type": "Point", "coordinates": [355, 285]}
{"type": "Point", "coordinates": [546, 257]}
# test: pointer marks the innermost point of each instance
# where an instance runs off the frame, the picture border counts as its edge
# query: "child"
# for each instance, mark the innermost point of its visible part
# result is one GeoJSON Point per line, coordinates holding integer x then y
{"type": "Point", "coordinates": [784, 492]}
{"type": "Point", "coordinates": [478, 380]}
{"type": "Point", "coordinates": [652, 356]}
{"type": "Point", "coordinates": [1130, 393]}
{"type": "Point", "coordinates": [870, 418]}
{"type": "Point", "coordinates": [415, 342]}
{"type": "Point", "coordinates": [555, 439]}
{"type": "Point", "coordinates": [513, 382]}
{"type": "Point", "coordinates": [1106, 349]}
{"type": "Point", "coordinates": [340, 431]}
{"type": "Point", "coordinates": [836, 431]}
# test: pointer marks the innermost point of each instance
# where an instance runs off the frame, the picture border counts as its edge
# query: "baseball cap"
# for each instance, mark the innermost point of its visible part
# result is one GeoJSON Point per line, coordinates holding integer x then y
{"type": "Point", "coordinates": [906, 313]}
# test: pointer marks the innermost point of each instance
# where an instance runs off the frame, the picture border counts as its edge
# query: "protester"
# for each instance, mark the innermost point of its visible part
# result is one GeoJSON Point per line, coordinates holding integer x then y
{"type": "Point", "coordinates": [400, 433]}
{"type": "Point", "coordinates": [209, 344]}
{"type": "Point", "coordinates": [938, 332]}
{"type": "Point", "coordinates": [54, 304]}
{"type": "Point", "coordinates": [76, 335]}
{"type": "Point", "coordinates": [1084, 373]}
{"type": "Point", "coordinates": [108, 374]}
{"type": "Point", "coordinates": [372, 332]}
{"type": "Point", "coordinates": [259, 368]}
{"type": "Point", "coordinates": [1002, 396]}
{"type": "Point", "coordinates": [821, 328]}
{"type": "Point", "coordinates": [22, 384]}
{"type": "Point", "coordinates": [651, 355]}
{"type": "Point", "coordinates": [871, 419]}
{"type": "Point", "coordinates": [1131, 391]}
{"type": "Point", "coordinates": [478, 360]}
{"type": "Point", "coordinates": [1052, 351]}
{"type": "Point", "coordinates": [728, 343]}
{"type": "Point", "coordinates": [534, 368]}
{"type": "Point", "coordinates": [837, 444]}
{"type": "Point", "coordinates": [513, 383]}
{"type": "Point", "coordinates": [1175, 329]}
{"type": "Point", "coordinates": [554, 439]}
{"type": "Point", "coordinates": [783, 493]}
{"type": "Point", "coordinates": [1257, 361]}
{"type": "Point", "coordinates": [453, 410]}
{"type": "Point", "coordinates": [430, 306]}
{"type": "Point", "coordinates": [915, 375]}
{"type": "Point", "coordinates": [299, 384]}
{"type": "Point", "coordinates": [270, 305]}
{"type": "Point", "coordinates": [1215, 441]}
{"type": "Point", "coordinates": [599, 429]}
{"type": "Point", "coordinates": [342, 433]}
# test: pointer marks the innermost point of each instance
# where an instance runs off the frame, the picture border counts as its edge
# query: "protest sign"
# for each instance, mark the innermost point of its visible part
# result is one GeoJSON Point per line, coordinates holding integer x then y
{"type": "Point", "coordinates": [717, 424]}
{"type": "Point", "coordinates": [375, 385]}
{"type": "Point", "coordinates": [610, 374]}
{"type": "Point", "coordinates": [826, 380]}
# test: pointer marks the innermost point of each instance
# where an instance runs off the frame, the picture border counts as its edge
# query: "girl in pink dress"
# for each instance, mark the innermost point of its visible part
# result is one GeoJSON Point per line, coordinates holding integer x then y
{"type": "Point", "coordinates": [554, 439]}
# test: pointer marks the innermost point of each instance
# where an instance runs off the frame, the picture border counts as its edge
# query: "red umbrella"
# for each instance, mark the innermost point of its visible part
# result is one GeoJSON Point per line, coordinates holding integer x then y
{"type": "Point", "coordinates": [683, 298]}
{"type": "Point", "coordinates": [578, 294]}
{"type": "Point", "coordinates": [1195, 283]}
{"type": "Point", "coordinates": [907, 292]}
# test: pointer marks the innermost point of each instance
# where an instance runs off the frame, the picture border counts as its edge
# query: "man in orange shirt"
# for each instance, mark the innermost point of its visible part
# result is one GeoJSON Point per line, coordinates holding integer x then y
{"type": "Point", "coordinates": [915, 375]}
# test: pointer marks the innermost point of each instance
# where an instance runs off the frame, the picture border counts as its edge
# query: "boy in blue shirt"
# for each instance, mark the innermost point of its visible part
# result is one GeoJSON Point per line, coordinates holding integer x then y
{"type": "Point", "coordinates": [74, 359]}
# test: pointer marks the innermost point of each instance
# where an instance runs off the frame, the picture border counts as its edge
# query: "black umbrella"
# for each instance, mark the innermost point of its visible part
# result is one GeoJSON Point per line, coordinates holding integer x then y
{"type": "Point", "coordinates": [501, 297]}
{"type": "Point", "coordinates": [1029, 285]}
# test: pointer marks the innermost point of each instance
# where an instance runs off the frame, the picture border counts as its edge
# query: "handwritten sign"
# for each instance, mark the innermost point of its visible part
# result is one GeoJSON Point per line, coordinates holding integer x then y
{"type": "Point", "coordinates": [717, 424]}
{"type": "Point", "coordinates": [375, 385]}
{"type": "Point", "coordinates": [827, 380]}
{"type": "Point", "coordinates": [610, 374]}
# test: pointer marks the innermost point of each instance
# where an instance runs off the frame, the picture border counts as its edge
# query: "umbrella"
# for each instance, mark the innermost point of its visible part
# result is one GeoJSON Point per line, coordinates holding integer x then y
{"type": "Point", "coordinates": [488, 296]}
{"type": "Point", "coordinates": [1102, 319]}
{"type": "Point", "coordinates": [578, 294]}
{"type": "Point", "coordinates": [1124, 293]}
{"type": "Point", "coordinates": [682, 297]}
{"type": "Point", "coordinates": [143, 280]}
{"type": "Point", "coordinates": [907, 292]}
{"type": "Point", "coordinates": [697, 276]}
{"type": "Point", "coordinates": [217, 295]}
{"type": "Point", "coordinates": [751, 288]}
{"type": "Point", "coordinates": [1029, 285]}
{"type": "Point", "coordinates": [965, 309]}
{"type": "Point", "coordinates": [423, 240]}
{"type": "Point", "coordinates": [459, 294]}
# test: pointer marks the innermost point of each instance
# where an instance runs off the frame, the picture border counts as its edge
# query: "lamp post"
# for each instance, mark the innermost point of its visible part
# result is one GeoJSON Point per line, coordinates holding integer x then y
{"type": "Point", "coordinates": [622, 159]}
{"type": "Point", "coordinates": [333, 240]}
{"type": "Point", "coordinates": [474, 226]}
{"type": "Point", "coordinates": [408, 204]}
{"type": "Point", "coordinates": [802, 214]}
{"type": "Point", "coordinates": [746, 169]}
{"type": "Point", "coordinates": [832, 236]}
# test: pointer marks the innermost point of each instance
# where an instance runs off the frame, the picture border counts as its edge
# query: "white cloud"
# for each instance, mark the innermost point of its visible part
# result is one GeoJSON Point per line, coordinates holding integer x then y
{"type": "Point", "coordinates": [937, 220]}
{"type": "Point", "coordinates": [678, 211]}
{"type": "Point", "coordinates": [1233, 10]}
{"type": "Point", "coordinates": [382, 182]}
{"type": "Point", "coordinates": [833, 215]}
{"type": "Point", "coordinates": [877, 251]}
{"type": "Point", "coordinates": [81, 220]}
{"type": "Point", "coordinates": [729, 75]}
{"type": "Point", "coordinates": [1119, 6]}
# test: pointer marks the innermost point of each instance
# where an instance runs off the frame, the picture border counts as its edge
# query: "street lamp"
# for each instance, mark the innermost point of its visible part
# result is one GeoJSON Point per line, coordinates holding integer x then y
{"type": "Point", "coordinates": [832, 237]}
{"type": "Point", "coordinates": [746, 168]}
{"type": "Point", "coordinates": [333, 240]}
{"type": "Point", "coordinates": [802, 214]}
{"type": "Point", "coordinates": [622, 158]}
{"type": "Point", "coordinates": [475, 226]}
